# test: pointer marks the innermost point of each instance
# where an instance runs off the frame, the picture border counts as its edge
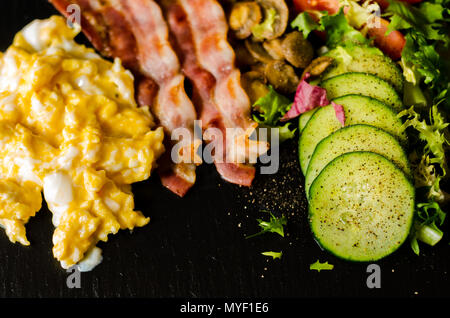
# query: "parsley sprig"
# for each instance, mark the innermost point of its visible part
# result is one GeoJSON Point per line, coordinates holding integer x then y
{"type": "Point", "coordinates": [318, 266]}
{"type": "Point", "coordinates": [274, 225]}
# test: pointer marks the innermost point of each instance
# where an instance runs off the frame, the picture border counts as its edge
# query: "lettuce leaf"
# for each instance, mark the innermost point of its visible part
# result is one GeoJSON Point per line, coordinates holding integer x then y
{"type": "Point", "coordinates": [431, 213]}
{"type": "Point", "coordinates": [427, 179]}
{"type": "Point", "coordinates": [426, 28]}
{"type": "Point", "coordinates": [305, 24]}
{"type": "Point", "coordinates": [428, 18]}
{"type": "Point", "coordinates": [339, 31]}
{"type": "Point", "coordinates": [425, 229]}
{"type": "Point", "coordinates": [428, 173]}
{"type": "Point", "coordinates": [268, 111]}
{"type": "Point", "coordinates": [307, 97]}
{"type": "Point", "coordinates": [432, 133]}
{"type": "Point", "coordinates": [424, 57]}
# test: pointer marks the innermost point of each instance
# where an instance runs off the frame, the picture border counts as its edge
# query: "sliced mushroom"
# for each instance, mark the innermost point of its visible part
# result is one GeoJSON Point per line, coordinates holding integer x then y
{"type": "Point", "coordinates": [276, 16]}
{"type": "Point", "coordinates": [318, 66]}
{"type": "Point", "coordinates": [257, 51]}
{"type": "Point", "coordinates": [258, 67]}
{"type": "Point", "coordinates": [273, 47]}
{"type": "Point", "coordinates": [243, 17]}
{"type": "Point", "coordinates": [254, 84]}
{"type": "Point", "coordinates": [297, 50]}
{"type": "Point", "coordinates": [281, 76]}
{"type": "Point", "coordinates": [243, 56]}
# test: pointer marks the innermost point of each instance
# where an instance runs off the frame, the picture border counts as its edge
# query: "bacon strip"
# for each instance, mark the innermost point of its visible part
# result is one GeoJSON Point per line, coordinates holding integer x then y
{"type": "Point", "coordinates": [214, 54]}
{"type": "Point", "coordinates": [135, 32]}
{"type": "Point", "coordinates": [203, 86]}
{"type": "Point", "coordinates": [200, 29]}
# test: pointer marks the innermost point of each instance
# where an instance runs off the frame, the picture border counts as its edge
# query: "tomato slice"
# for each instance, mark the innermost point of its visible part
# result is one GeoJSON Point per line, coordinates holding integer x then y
{"type": "Point", "coordinates": [332, 6]}
{"type": "Point", "coordinates": [392, 44]}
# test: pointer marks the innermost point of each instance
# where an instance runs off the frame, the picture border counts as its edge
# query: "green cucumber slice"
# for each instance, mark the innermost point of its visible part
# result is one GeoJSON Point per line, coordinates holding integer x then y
{"type": "Point", "coordinates": [362, 84]}
{"type": "Point", "coordinates": [358, 110]}
{"type": "Point", "coordinates": [364, 59]}
{"type": "Point", "coordinates": [353, 138]}
{"type": "Point", "coordinates": [304, 118]}
{"type": "Point", "coordinates": [361, 207]}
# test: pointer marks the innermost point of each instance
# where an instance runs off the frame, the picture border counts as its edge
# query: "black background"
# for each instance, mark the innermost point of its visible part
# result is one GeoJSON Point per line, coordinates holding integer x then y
{"type": "Point", "coordinates": [196, 246]}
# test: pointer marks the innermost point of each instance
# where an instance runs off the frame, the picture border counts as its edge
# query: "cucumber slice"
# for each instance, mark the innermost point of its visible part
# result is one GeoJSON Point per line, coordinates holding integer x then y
{"type": "Point", "coordinates": [361, 207]}
{"type": "Point", "coordinates": [358, 110]}
{"type": "Point", "coordinates": [353, 138]}
{"type": "Point", "coordinates": [304, 118]}
{"type": "Point", "coordinates": [362, 84]}
{"type": "Point", "coordinates": [362, 59]}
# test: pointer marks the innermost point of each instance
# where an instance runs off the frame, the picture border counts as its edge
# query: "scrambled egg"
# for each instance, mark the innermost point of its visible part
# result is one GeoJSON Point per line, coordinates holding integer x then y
{"type": "Point", "coordinates": [70, 128]}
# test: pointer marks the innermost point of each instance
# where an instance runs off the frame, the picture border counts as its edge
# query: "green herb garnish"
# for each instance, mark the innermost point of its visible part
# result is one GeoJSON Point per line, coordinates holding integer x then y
{"type": "Point", "coordinates": [269, 109]}
{"type": "Point", "coordinates": [318, 266]}
{"type": "Point", "coordinates": [274, 225]}
{"type": "Point", "coordinates": [274, 255]}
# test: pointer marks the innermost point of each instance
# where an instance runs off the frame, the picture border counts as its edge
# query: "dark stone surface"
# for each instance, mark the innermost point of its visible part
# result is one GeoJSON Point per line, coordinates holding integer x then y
{"type": "Point", "coordinates": [196, 246]}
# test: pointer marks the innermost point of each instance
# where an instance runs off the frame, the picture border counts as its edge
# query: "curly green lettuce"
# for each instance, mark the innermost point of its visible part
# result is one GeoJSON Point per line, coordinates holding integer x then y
{"type": "Point", "coordinates": [268, 111]}
{"type": "Point", "coordinates": [426, 29]}
{"type": "Point", "coordinates": [429, 216]}
{"type": "Point", "coordinates": [432, 133]}
{"type": "Point", "coordinates": [428, 173]}
{"type": "Point", "coordinates": [274, 225]}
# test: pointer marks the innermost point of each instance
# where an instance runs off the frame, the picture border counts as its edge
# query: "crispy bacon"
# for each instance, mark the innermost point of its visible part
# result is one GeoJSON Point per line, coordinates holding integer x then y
{"type": "Point", "coordinates": [135, 31]}
{"type": "Point", "coordinates": [200, 31]}
{"type": "Point", "coordinates": [106, 28]}
{"type": "Point", "coordinates": [214, 54]}
{"type": "Point", "coordinates": [203, 89]}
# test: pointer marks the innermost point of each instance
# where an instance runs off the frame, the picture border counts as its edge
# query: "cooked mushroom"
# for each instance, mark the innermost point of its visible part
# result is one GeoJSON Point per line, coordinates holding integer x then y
{"type": "Point", "coordinates": [297, 50]}
{"type": "Point", "coordinates": [281, 76]}
{"type": "Point", "coordinates": [258, 51]}
{"type": "Point", "coordinates": [276, 16]}
{"type": "Point", "coordinates": [318, 66]}
{"type": "Point", "coordinates": [258, 67]}
{"type": "Point", "coordinates": [243, 56]}
{"type": "Point", "coordinates": [243, 17]}
{"type": "Point", "coordinates": [254, 84]}
{"type": "Point", "coordinates": [273, 47]}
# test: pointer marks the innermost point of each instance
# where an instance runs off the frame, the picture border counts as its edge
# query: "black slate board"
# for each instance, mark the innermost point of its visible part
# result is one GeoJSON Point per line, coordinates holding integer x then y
{"type": "Point", "coordinates": [196, 246]}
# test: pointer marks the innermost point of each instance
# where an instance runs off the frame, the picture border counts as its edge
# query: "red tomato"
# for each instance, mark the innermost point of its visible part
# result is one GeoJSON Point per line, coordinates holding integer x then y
{"type": "Point", "coordinates": [392, 45]}
{"type": "Point", "coordinates": [332, 6]}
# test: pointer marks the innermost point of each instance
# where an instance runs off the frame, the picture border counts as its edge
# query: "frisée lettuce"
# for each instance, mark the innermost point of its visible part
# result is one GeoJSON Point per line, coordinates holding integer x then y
{"type": "Point", "coordinates": [268, 111]}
